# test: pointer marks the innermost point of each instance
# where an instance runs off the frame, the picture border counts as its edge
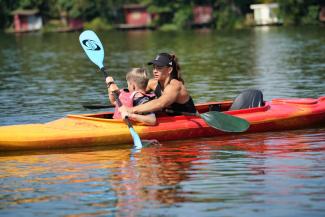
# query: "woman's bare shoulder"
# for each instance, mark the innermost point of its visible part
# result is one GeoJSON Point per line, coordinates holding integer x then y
{"type": "Point", "coordinates": [176, 83]}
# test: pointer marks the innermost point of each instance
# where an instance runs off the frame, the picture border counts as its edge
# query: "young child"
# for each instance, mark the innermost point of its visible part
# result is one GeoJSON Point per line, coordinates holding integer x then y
{"type": "Point", "coordinates": [137, 80]}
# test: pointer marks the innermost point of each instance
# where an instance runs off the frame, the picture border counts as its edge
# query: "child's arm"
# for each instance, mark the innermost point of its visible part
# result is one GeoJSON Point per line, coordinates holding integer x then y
{"type": "Point", "coordinates": [149, 119]}
{"type": "Point", "coordinates": [111, 86]}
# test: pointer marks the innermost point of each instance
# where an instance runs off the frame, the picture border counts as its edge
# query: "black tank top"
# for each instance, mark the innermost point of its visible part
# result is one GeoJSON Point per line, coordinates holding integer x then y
{"type": "Point", "coordinates": [177, 107]}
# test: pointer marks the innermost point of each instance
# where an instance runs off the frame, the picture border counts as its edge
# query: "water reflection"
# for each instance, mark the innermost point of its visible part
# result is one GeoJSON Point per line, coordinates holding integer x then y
{"type": "Point", "coordinates": [209, 175]}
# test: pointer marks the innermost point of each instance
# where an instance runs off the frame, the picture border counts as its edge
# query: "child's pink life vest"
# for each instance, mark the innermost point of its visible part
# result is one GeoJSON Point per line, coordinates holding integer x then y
{"type": "Point", "coordinates": [127, 99]}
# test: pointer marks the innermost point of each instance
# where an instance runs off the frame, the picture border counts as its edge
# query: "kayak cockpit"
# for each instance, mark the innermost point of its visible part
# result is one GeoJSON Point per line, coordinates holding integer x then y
{"type": "Point", "coordinates": [202, 108]}
{"type": "Point", "coordinates": [248, 101]}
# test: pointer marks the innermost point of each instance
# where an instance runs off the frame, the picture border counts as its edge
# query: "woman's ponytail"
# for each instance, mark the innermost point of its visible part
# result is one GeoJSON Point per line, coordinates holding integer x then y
{"type": "Point", "coordinates": [176, 74]}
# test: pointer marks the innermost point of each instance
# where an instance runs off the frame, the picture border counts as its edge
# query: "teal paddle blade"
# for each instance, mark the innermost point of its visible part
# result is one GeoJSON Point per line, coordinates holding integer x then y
{"type": "Point", "coordinates": [136, 139]}
{"type": "Point", "coordinates": [93, 47]}
{"type": "Point", "coordinates": [225, 122]}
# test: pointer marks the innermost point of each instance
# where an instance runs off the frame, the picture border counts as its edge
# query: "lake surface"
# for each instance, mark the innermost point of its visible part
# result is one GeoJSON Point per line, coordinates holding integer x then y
{"type": "Point", "coordinates": [46, 76]}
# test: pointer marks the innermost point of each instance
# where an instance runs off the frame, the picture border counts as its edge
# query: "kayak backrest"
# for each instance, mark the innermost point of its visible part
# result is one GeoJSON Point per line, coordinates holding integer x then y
{"type": "Point", "coordinates": [250, 98]}
{"type": "Point", "coordinates": [213, 106]}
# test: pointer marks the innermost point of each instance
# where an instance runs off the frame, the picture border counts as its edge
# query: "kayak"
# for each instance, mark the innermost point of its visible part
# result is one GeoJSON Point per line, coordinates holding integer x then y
{"type": "Point", "coordinates": [99, 129]}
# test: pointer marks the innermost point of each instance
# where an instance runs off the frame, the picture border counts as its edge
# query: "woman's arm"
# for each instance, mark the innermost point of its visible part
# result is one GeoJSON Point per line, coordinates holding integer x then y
{"type": "Point", "coordinates": [168, 97]}
{"type": "Point", "coordinates": [149, 119]}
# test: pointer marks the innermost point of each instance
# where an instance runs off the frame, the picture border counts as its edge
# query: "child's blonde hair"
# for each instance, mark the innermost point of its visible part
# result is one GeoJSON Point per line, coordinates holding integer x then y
{"type": "Point", "coordinates": [139, 76]}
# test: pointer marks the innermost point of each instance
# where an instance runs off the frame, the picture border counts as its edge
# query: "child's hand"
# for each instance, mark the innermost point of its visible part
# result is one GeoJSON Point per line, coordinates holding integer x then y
{"type": "Point", "coordinates": [124, 114]}
{"type": "Point", "coordinates": [124, 111]}
{"type": "Point", "coordinates": [109, 79]}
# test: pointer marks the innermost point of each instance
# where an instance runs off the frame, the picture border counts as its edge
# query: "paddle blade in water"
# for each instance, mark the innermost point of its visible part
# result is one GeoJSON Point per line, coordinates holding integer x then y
{"type": "Point", "coordinates": [136, 138]}
{"type": "Point", "coordinates": [93, 47]}
{"type": "Point", "coordinates": [225, 122]}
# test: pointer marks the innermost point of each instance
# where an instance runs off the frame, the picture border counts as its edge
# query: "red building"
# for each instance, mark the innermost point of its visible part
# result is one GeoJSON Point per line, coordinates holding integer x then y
{"type": "Point", "coordinates": [202, 15]}
{"type": "Point", "coordinates": [27, 20]}
{"type": "Point", "coordinates": [136, 17]}
{"type": "Point", "coordinates": [70, 24]}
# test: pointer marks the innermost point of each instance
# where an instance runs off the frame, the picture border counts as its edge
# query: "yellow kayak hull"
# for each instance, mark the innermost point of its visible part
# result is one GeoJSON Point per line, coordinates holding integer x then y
{"type": "Point", "coordinates": [68, 132]}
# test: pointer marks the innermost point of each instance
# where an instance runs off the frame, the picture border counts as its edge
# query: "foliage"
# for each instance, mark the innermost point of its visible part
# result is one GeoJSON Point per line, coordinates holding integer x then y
{"type": "Point", "coordinates": [182, 17]}
{"type": "Point", "coordinates": [174, 14]}
{"type": "Point", "coordinates": [168, 27]}
{"type": "Point", "coordinates": [265, 1]}
{"type": "Point", "coordinates": [29, 4]}
{"type": "Point", "coordinates": [6, 6]}
{"type": "Point", "coordinates": [229, 13]}
{"type": "Point", "coordinates": [311, 16]}
{"type": "Point", "coordinates": [97, 24]}
{"type": "Point", "coordinates": [296, 12]}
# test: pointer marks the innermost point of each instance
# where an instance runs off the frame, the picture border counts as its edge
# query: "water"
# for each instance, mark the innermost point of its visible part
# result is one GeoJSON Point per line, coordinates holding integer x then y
{"type": "Point", "coordinates": [269, 174]}
{"type": "Point", "coordinates": [45, 76]}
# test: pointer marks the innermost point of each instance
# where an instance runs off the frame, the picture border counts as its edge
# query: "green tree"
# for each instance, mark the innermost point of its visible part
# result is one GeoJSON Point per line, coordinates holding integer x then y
{"type": "Point", "coordinates": [177, 13]}
{"type": "Point", "coordinates": [165, 10]}
{"type": "Point", "coordinates": [230, 13]}
{"type": "Point", "coordinates": [295, 12]}
{"type": "Point", "coordinates": [6, 6]}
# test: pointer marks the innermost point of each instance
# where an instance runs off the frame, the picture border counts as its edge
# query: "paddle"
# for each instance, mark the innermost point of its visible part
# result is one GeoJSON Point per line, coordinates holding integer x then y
{"type": "Point", "coordinates": [95, 51]}
{"type": "Point", "coordinates": [219, 120]}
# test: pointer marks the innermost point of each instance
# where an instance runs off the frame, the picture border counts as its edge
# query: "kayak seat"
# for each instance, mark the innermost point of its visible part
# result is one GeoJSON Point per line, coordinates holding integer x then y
{"type": "Point", "coordinates": [215, 107]}
{"type": "Point", "coordinates": [249, 98]}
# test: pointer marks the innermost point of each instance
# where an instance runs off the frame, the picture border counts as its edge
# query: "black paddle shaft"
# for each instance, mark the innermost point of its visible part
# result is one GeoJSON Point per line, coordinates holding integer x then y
{"type": "Point", "coordinates": [104, 72]}
{"type": "Point", "coordinates": [115, 95]}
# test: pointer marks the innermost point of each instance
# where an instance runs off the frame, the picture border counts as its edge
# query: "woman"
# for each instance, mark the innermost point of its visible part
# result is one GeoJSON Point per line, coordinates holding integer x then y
{"type": "Point", "coordinates": [168, 86]}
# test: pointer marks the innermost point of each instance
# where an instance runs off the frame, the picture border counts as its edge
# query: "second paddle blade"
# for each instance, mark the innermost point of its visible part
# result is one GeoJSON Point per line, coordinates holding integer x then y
{"type": "Point", "coordinates": [225, 122]}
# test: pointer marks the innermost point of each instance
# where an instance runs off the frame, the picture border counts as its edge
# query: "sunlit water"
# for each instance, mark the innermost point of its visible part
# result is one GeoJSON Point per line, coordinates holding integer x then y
{"type": "Point", "coordinates": [268, 174]}
{"type": "Point", "coordinates": [45, 76]}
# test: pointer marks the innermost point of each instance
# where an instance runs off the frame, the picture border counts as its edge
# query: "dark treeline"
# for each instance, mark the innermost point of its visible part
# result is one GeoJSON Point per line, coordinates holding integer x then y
{"type": "Point", "coordinates": [227, 13]}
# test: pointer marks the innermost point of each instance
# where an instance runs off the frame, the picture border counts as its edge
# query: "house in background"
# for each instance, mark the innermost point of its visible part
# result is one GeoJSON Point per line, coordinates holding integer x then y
{"type": "Point", "coordinates": [266, 14]}
{"type": "Point", "coordinates": [136, 17]}
{"type": "Point", "coordinates": [202, 16]}
{"type": "Point", "coordinates": [70, 24]}
{"type": "Point", "coordinates": [27, 20]}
